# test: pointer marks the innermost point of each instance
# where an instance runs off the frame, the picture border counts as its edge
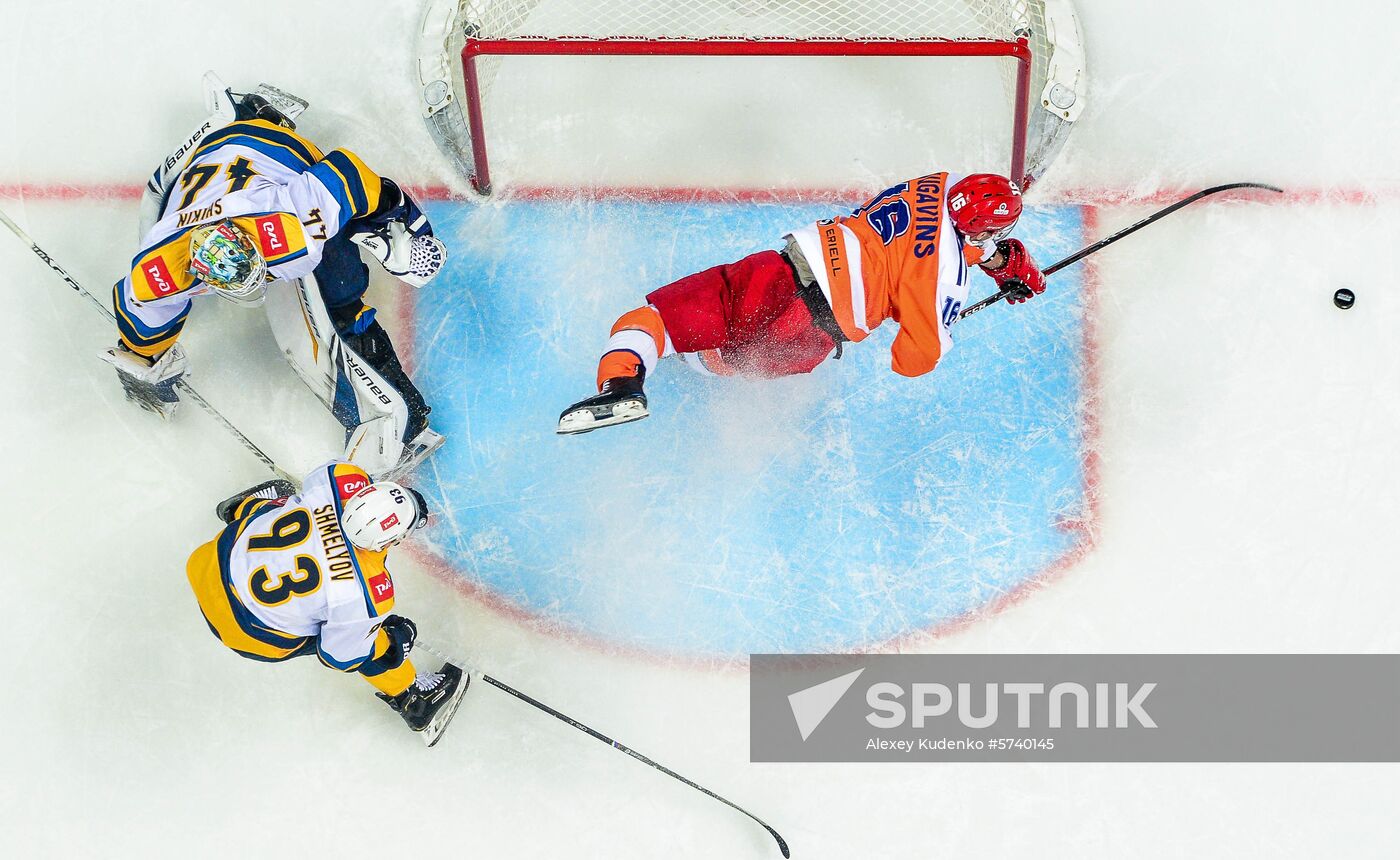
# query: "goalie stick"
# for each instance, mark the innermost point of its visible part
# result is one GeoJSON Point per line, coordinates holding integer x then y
{"type": "Point", "coordinates": [185, 388]}
{"type": "Point", "coordinates": [1109, 240]}
{"type": "Point", "coordinates": [594, 733]}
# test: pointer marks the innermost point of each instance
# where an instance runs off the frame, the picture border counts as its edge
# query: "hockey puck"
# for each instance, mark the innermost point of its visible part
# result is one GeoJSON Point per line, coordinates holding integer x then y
{"type": "Point", "coordinates": [1344, 298]}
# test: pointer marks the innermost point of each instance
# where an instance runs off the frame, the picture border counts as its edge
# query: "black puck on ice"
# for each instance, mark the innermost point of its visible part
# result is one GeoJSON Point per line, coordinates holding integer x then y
{"type": "Point", "coordinates": [1344, 298]}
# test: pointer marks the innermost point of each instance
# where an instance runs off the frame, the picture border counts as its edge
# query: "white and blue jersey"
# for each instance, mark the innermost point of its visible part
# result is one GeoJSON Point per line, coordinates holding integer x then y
{"type": "Point", "coordinates": [275, 185]}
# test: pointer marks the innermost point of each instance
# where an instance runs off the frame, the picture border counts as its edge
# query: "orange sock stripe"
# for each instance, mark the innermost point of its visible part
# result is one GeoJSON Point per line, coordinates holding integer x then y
{"type": "Point", "coordinates": [617, 363]}
{"type": "Point", "coordinates": [647, 319]}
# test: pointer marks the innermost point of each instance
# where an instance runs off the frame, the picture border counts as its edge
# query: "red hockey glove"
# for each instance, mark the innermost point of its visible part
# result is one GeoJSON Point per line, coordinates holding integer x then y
{"type": "Point", "coordinates": [1019, 273]}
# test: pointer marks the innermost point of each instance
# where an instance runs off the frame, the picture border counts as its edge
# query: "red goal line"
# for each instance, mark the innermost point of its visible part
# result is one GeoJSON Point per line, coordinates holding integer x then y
{"type": "Point", "coordinates": [1098, 195]}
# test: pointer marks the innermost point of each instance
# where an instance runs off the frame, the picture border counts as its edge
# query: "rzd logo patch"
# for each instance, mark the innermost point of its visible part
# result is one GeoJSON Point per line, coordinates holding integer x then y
{"type": "Point", "coordinates": [381, 587]}
{"type": "Point", "coordinates": [158, 278]}
{"type": "Point", "coordinates": [272, 239]}
{"type": "Point", "coordinates": [389, 522]}
{"type": "Point", "coordinates": [348, 485]}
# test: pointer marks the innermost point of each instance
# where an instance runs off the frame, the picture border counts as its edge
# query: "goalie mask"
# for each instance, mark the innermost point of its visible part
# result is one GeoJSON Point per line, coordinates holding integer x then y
{"type": "Point", "coordinates": [984, 203]}
{"type": "Point", "coordinates": [225, 258]}
{"type": "Point", "coordinates": [382, 514]}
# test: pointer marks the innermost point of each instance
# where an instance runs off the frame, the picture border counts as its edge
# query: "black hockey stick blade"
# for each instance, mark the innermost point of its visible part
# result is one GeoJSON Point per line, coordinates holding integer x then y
{"type": "Point", "coordinates": [1126, 231]}
{"type": "Point", "coordinates": [782, 844]}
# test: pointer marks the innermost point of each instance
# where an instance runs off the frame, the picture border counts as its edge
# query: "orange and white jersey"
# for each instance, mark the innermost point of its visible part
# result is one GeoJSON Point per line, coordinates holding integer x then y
{"type": "Point", "coordinates": [896, 257]}
{"type": "Point", "coordinates": [274, 184]}
{"type": "Point", "coordinates": [293, 570]}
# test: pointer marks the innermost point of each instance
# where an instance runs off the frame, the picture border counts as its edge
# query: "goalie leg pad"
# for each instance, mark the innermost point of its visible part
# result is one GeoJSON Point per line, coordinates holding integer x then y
{"type": "Point", "coordinates": [363, 334]}
{"type": "Point", "coordinates": [379, 409]}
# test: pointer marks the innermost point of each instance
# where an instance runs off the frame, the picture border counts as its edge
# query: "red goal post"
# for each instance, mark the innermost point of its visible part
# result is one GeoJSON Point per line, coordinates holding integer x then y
{"type": "Point", "coordinates": [1040, 36]}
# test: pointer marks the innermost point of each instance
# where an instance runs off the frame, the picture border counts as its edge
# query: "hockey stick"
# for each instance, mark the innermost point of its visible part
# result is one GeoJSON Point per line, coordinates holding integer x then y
{"type": "Point", "coordinates": [1126, 231]}
{"type": "Point", "coordinates": [184, 387]}
{"type": "Point", "coordinates": [501, 685]}
{"type": "Point", "coordinates": [782, 845]}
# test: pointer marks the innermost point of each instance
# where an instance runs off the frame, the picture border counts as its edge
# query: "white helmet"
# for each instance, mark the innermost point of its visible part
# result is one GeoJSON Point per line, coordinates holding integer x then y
{"type": "Point", "coordinates": [382, 514]}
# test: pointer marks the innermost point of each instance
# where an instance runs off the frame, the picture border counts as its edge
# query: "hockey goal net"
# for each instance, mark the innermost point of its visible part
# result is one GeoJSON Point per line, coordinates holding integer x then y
{"type": "Point", "coordinates": [463, 42]}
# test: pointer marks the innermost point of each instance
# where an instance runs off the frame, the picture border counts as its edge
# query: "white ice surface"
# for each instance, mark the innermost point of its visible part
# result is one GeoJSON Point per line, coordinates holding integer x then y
{"type": "Point", "coordinates": [1249, 481]}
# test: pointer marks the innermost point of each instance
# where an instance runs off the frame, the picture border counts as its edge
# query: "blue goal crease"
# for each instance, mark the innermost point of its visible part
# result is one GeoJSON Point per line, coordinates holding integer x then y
{"type": "Point", "coordinates": [812, 513]}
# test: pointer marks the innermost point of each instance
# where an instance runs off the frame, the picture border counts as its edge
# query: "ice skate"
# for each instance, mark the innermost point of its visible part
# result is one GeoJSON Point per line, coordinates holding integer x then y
{"type": "Point", "coordinates": [429, 704]}
{"type": "Point", "coordinates": [414, 453]}
{"type": "Point", "coordinates": [621, 401]}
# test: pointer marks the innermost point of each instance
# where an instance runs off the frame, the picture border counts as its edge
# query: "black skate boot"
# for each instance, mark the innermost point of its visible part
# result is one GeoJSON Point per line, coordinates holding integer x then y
{"type": "Point", "coordinates": [274, 489]}
{"type": "Point", "coordinates": [430, 703]}
{"type": "Point", "coordinates": [621, 400]}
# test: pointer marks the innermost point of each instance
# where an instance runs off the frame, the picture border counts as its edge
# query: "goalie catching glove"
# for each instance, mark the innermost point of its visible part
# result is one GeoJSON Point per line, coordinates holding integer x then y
{"type": "Point", "coordinates": [149, 383]}
{"type": "Point", "coordinates": [399, 236]}
{"type": "Point", "coordinates": [1019, 274]}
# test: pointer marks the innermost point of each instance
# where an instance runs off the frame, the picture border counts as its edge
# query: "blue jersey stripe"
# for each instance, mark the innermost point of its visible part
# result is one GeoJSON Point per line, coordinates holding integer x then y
{"type": "Point", "coordinates": [178, 235]}
{"type": "Point", "coordinates": [264, 138]}
{"type": "Point", "coordinates": [336, 186]}
{"type": "Point", "coordinates": [351, 174]}
{"type": "Point", "coordinates": [354, 556]}
{"type": "Point", "coordinates": [348, 666]}
{"type": "Point", "coordinates": [135, 331]}
{"type": "Point", "coordinates": [289, 160]}
{"type": "Point", "coordinates": [295, 255]}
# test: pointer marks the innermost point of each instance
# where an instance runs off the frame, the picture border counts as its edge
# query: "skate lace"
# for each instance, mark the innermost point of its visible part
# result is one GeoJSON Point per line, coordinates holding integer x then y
{"type": "Point", "coordinates": [428, 681]}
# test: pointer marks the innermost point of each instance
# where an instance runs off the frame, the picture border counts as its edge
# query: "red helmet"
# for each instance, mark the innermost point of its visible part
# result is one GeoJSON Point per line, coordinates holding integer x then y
{"type": "Point", "coordinates": [984, 202]}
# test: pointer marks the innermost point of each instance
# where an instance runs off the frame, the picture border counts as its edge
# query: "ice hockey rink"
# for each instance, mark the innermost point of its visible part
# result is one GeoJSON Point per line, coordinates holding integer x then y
{"type": "Point", "coordinates": [1182, 447]}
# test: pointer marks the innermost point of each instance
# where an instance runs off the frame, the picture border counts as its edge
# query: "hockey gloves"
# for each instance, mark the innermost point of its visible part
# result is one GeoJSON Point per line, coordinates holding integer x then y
{"type": "Point", "coordinates": [274, 492]}
{"type": "Point", "coordinates": [1019, 276]}
{"type": "Point", "coordinates": [400, 237]}
{"type": "Point", "coordinates": [396, 205]}
{"type": "Point", "coordinates": [150, 385]}
{"type": "Point", "coordinates": [402, 634]}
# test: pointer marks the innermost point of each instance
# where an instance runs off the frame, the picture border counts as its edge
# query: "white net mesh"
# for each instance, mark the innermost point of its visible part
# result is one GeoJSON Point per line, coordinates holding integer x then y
{"type": "Point", "coordinates": [733, 20]}
{"type": "Point", "coordinates": [755, 19]}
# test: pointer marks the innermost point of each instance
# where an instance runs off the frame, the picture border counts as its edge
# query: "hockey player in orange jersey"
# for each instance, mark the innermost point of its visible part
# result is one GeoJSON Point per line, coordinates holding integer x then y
{"type": "Point", "coordinates": [905, 255]}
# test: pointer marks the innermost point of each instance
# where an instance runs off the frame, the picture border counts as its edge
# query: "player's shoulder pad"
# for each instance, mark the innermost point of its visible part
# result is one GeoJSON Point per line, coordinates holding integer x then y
{"type": "Point", "coordinates": [279, 236]}
{"type": "Point", "coordinates": [347, 478]}
{"type": "Point", "coordinates": [162, 270]}
{"type": "Point", "coordinates": [349, 180]}
{"type": "Point", "coordinates": [269, 139]}
{"type": "Point", "coordinates": [379, 585]}
{"type": "Point", "coordinates": [334, 480]}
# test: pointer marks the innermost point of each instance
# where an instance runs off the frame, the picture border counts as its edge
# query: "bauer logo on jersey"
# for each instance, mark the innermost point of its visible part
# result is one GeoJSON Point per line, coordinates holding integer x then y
{"type": "Point", "coordinates": [272, 236]}
{"type": "Point", "coordinates": [158, 278]}
{"type": "Point", "coordinates": [381, 588]}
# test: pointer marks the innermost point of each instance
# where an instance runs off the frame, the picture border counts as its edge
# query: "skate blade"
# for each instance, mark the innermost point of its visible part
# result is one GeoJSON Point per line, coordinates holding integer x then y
{"type": "Point", "coordinates": [165, 411]}
{"type": "Point", "coordinates": [588, 419]}
{"type": "Point", "coordinates": [435, 730]}
{"type": "Point", "coordinates": [424, 444]}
